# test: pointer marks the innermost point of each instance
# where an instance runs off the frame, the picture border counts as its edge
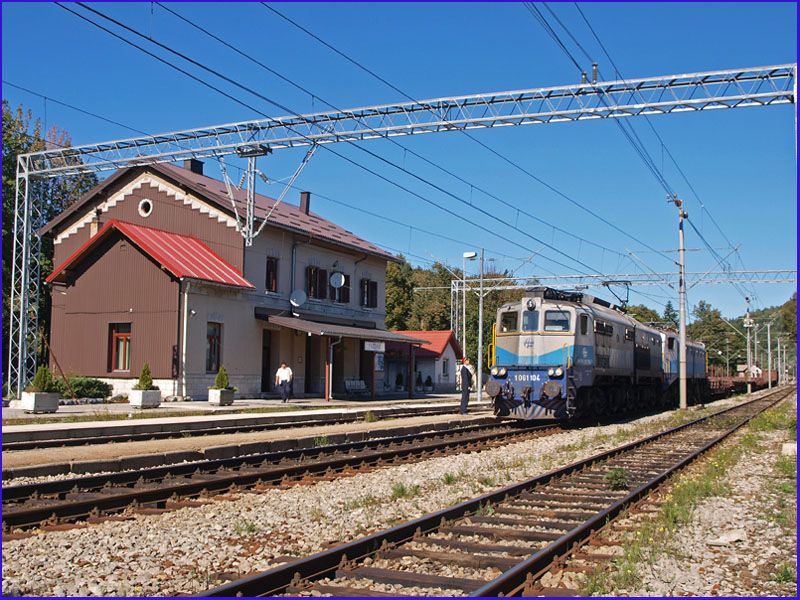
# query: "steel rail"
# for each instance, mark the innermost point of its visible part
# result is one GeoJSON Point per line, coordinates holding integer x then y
{"type": "Point", "coordinates": [219, 429]}
{"type": "Point", "coordinates": [214, 475]}
{"type": "Point", "coordinates": [278, 579]}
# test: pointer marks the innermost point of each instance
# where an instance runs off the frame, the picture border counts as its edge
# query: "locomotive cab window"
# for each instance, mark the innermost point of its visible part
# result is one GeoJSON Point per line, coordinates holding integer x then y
{"type": "Point", "coordinates": [508, 322]}
{"type": "Point", "coordinates": [584, 324]}
{"type": "Point", "coordinates": [556, 320]}
{"type": "Point", "coordinates": [628, 334]}
{"type": "Point", "coordinates": [530, 320]}
{"type": "Point", "coordinates": [671, 343]}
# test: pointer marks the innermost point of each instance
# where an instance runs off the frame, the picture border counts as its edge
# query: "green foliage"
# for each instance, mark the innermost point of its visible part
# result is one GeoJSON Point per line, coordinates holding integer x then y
{"type": "Point", "coordinates": [784, 574]}
{"type": "Point", "coordinates": [22, 134]}
{"type": "Point", "coordinates": [449, 479]}
{"type": "Point", "coordinates": [145, 379]}
{"type": "Point", "coordinates": [487, 481]}
{"type": "Point", "coordinates": [617, 479]}
{"type": "Point", "coordinates": [370, 417]}
{"type": "Point", "coordinates": [321, 440]}
{"type": "Point", "coordinates": [642, 313]}
{"type": "Point", "coordinates": [42, 381]}
{"type": "Point", "coordinates": [787, 466]}
{"type": "Point", "coordinates": [244, 527]}
{"type": "Point", "coordinates": [485, 510]}
{"type": "Point", "coordinates": [84, 387]}
{"type": "Point", "coordinates": [221, 380]}
{"type": "Point", "coordinates": [670, 316]}
{"type": "Point", "coordinates": [401, 490]}
{"type": "Point", "coordinates": [399, 294]}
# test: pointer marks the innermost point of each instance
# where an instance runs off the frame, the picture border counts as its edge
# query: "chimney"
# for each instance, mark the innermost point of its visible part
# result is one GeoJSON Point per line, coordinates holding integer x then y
{"type": "Point", "coordinates": [95, 223]}
{"type": "Point", "coordinates": [193, 165]}
{"type": "Point", "coordinates": [305, 201]}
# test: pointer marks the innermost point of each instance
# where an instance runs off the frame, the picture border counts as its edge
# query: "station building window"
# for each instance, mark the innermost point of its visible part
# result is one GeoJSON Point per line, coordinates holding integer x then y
{"type": "Point", "coordinates": [213, 346]}
{"type": "Point", "coordinates": [271, 281]}
{"type": "Point", "coordinates": [368, 293]}
{"type": "Point", "coordinates": [119, 335]}
{"type": "Point", "coordinates": [317, 283]}
{"type": "Point", "coordinates": [341, 295]}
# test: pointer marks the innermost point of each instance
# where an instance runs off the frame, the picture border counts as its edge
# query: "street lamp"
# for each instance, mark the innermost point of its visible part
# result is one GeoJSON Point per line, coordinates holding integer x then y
{"type": "Point", "coordinates": [466, 256]}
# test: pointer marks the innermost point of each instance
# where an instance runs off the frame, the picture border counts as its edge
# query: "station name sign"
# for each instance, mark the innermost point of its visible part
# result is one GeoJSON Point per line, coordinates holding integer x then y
{"type": "Point", "coordinates": [375, 346]}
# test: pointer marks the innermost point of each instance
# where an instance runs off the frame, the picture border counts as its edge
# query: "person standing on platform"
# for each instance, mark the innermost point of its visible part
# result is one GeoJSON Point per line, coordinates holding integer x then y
{"type": "Point", "coordinates": [283, 379]}
{"type": "Point", "coordinates": [466, 383]}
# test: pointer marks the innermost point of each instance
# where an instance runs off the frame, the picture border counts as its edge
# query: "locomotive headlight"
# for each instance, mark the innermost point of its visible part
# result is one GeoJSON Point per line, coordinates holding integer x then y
{"type": "Point", "coordinates": [551, 372]}
{"type": "Point", "coordinates": [502, 371]}
{"type": "Point", "coordinates": [559, 372]}
{"type": "Point", "coordinates": [494, 371]}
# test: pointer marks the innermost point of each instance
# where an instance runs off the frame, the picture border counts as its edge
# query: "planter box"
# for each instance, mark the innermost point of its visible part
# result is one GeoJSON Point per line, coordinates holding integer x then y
{"type": "Point", "coordinates": [39, 402]}
{"type": "Point", "coordinates": [220, 397]}
{"type": "Point", "coordinates": [428, 388]}
{"type": "Point", "coordinates": [144, 398]}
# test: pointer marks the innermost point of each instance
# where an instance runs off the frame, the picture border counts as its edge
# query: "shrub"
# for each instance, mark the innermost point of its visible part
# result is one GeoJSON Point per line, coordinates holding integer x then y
{"type": "Point", "coordinates": [398, 381]}
{"type": "Point", "coordinates": [42, 381]}
{"type": "Point", "coordinates": [145, 379]}
{"type": "Point", "coordinates": [84, 387]}
{"type": "Point", "coordinates": [428, 381]}
{"type": "Point", "coordinates": [419, 379]}
{"type": "Point", "coordinates": [221, 381]}
{"type": "Point", "coordinates": [617, 479]}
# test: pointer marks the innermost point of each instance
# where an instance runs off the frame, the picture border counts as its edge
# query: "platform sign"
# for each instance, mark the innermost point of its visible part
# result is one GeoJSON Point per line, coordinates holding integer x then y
{"type": "Point", "coordinates": [379, 362]}
{"type": "Point", "coordinates": [375, 346]}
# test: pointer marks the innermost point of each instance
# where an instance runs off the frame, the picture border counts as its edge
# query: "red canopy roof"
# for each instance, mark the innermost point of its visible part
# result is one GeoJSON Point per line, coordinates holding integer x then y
{"type": "Point", "coordinates": [181, 255]}
{"type": "Point", "coordinates": [438, 341]}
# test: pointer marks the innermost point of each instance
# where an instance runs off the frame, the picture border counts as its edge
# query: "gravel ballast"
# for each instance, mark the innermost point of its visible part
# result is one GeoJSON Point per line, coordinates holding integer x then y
{"type": "Point", "coordinates": [191, 549]}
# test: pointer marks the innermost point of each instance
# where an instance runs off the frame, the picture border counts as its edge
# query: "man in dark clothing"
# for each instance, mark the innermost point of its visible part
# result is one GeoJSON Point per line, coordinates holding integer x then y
{"type": "Point", "coordinates": [466, 383]}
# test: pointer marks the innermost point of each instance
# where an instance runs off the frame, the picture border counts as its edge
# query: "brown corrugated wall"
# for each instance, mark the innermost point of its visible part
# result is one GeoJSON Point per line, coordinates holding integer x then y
{"type": "Point", "coordinates": [116, 284]}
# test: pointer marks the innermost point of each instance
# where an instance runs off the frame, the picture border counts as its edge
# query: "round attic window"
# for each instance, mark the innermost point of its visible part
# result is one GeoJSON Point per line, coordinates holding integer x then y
{"type": "Point", "coordinates": [145, 207]}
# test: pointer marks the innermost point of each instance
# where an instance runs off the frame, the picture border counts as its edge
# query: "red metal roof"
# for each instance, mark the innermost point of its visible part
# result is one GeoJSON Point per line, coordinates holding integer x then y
{"type": "Point", "coordinates": [438, 341]}
{"type": "Point", "coordinates": [181, 255]}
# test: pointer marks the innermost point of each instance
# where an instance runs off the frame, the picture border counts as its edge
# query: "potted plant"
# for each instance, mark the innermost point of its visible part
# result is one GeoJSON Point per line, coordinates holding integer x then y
{"type": "Point", "coordinates": [428, 384]}
{"type": "Point", "coordinates": [418, 384]}
{"type": "Point", "coordinates": [41, 395]}
{"type": "Point", "coordinates": [144, 394]}
{"type": "Point", "coordinates": [398, 383]}
{"type": "Point", "coordinates": [221, 393]}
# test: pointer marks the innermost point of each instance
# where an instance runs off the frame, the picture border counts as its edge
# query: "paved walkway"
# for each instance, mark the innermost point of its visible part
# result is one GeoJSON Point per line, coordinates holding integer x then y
{"type": "Point", "coordinates": [250, 405]}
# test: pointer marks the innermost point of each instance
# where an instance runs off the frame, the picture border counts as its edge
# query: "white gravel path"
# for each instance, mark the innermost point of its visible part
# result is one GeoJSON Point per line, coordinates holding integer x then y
{"type": "Point", "coordinates": [189, 550]}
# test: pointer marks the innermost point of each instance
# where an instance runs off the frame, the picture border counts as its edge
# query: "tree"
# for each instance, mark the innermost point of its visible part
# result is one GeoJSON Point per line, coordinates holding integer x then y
{"type": "Point", "coordinates": [710, 328]}
{"type": "Point", "coordinates": [23, 134]}
{"type": "Point", "coordinates": [670, 316]}
{"type": "Point", "coordinates": [399, 294]}
{"type": "Point", "coordinates": [643, 313]}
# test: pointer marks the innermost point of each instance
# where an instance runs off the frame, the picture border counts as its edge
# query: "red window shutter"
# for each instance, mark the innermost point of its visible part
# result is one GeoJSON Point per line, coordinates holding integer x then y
{"type": "Point", "coordinates": [363, 292]}
{"type": "Point", "coordinates": [311, 282]}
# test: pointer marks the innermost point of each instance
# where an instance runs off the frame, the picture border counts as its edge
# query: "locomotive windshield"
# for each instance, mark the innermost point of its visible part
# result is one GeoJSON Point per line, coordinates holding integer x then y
{"type": "Point", "coordinates": [556, 320]}
{"type": "Point", "coordinates": [530, 320]}
{"type": "Point", "coordinates": [508, 322]}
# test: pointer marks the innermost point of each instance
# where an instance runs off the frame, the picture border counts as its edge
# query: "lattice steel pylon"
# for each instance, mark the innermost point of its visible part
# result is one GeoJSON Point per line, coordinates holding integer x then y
{"type": "Point", "coordinates": [733, 88]}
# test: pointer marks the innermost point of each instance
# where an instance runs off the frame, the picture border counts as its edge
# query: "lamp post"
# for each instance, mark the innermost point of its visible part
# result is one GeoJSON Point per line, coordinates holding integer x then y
{"type": "Point", "coordinates": [748, 324]}
{"type": "Point", "coordinates": [465, 256]}
{"type": "Point", "coordinates": [479, 391]}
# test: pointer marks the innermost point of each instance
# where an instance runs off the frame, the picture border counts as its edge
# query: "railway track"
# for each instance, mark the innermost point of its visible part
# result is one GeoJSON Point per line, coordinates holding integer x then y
{"type": "Point", "coordinates": [171, 486]}
{"type": "Point", "coordinates": [500, 542]}
{"type": "Point", "coordinates": [74, 440]}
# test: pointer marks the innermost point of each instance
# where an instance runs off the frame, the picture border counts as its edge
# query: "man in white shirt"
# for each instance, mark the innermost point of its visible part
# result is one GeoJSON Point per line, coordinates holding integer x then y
{"type": "Point", "coordinates": [283, 379]}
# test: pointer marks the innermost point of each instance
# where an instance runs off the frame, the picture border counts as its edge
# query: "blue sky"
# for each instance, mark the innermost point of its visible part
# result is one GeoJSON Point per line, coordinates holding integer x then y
{"type": "Point", "coordinates": [742, 163]}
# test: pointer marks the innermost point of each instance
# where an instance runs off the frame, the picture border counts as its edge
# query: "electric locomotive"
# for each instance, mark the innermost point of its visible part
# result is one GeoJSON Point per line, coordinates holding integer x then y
{"type": "Point", "coordinates": [561, 355]}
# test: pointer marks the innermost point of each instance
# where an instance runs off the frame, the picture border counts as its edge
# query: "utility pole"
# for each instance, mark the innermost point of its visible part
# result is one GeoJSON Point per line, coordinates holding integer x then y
{"type": "Point", "coordinates": [465, 256]}
{"type": "Point", "coordinates": [748, 323]}
{"type": "Point", "coordinates": [755, 346]}
{"type": "Point", "coordinates": [682, 303]}
{"type": "Point", "coordinates": [780, 372]}
{"type": "Point", "coordinates": [480, 335]}
{"type": "Point", "coordinates": [769, 358]}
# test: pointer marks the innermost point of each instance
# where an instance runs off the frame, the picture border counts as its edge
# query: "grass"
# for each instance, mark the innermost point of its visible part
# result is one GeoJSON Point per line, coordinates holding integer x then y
{"type": "Point", "coordinates": [362, 502]}
{"type": "Point", "coordinates": [401, 490]}
{"type": "Point", "coordinates": [784, 574]}
{"type": "Point", "coordinates": [244, 527]}
{"type": "Point", "coordinates": [787, 466]}
{"type": "Point", "coordinates": [595, 584]}
{"type": "Point", "coordinates": [485, 510]}
{"type": "Point", "coordinates": [321, 440]}
{"type": "Point", "coordinates": [449, 479]}
{"type": "Point", "coordinates": [370, 417]}
{"type": "Point", "coordinates": [487, 481]}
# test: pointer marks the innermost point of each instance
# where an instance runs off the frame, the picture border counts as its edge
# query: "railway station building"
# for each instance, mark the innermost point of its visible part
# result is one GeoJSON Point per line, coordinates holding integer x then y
{"type": "Point", "coordinates": [150, 266]}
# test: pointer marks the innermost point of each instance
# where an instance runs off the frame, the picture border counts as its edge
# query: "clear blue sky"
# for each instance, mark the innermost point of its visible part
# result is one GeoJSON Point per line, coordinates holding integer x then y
{"type": "Point", "coordinates": [742, 162]}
